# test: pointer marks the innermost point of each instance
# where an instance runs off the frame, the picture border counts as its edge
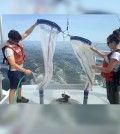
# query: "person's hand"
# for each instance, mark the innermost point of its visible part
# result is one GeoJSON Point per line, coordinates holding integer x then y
{"type": "Point", "coordinates": [92, 48]}
{"type": "Point", "coordinates": [94, 67]}
{"type": "Point", "coordinates": [28, 72]}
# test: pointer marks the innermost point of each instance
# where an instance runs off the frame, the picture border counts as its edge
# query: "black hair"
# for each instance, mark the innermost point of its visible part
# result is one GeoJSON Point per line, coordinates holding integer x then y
{"type": "Point", "coordinates": [116, 32]}
{"type": "Point", "coordinates": [112, 37]}
{"type": "Point", "coordinates": [14, 35]}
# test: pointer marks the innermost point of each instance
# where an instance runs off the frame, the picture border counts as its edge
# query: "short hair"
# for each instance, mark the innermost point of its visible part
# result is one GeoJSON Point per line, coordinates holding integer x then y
{"type": "Point", "coordinates": [14, 35]}
{"type": "Point", "coordinates": [112, 37]}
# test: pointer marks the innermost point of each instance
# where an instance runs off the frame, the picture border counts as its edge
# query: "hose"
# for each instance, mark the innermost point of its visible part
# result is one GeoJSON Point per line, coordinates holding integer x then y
{"type": "Point", "coordinates": [16, 93]}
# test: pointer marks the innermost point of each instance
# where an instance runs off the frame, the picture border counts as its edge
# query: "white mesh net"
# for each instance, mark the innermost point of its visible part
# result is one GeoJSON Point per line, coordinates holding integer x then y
{"type": "Point", "coordinates": [48, 36]}
{"type": "Point", "coordinates": [86, 58]}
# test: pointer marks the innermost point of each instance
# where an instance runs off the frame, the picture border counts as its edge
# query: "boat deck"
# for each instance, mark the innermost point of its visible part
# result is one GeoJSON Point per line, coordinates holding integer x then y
{"type": "Point", "coordinates": [96, 96]}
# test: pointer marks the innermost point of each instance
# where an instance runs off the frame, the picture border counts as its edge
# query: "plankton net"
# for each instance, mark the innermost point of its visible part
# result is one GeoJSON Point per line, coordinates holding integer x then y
{"type": "Point", "coordinates": [48, 35]}
{"type": "Point", "coordinates": [81, 47]}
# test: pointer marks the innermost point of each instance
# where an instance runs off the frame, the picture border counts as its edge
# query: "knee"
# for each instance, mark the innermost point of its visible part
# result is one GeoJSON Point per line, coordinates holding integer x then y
{"type": "Point", "coordinates": [12, 91]}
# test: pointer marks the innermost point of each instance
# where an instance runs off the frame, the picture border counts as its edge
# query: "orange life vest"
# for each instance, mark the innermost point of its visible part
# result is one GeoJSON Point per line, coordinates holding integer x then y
{"type": "Point", "coordinates": [19, 53]}
{"type": "Point", "coordinates": [108, 76]}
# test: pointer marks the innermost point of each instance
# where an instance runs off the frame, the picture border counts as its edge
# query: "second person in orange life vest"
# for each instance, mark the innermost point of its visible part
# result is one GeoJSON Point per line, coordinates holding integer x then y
{"type": "Point", "coordinates": [14, 55]}
{"type": "Point", "coordinates": [111, 69]}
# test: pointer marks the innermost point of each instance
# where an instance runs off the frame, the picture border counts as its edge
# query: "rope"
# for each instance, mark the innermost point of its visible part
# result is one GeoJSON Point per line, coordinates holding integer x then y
{"type": "Point", "coordinates": [65, 35]}
{"type": "Point", "coordinates": [64, 50]}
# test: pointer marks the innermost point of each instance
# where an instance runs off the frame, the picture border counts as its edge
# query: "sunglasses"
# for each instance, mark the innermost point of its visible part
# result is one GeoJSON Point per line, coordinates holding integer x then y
{"type": "Point", "coordinates": [108, 42]}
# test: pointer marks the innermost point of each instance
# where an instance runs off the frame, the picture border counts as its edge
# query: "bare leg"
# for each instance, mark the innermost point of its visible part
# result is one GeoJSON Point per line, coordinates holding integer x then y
{"type": "Point", "coordinates": [11, 96]}
{"type": "Point", "coordinates": [19, 93]}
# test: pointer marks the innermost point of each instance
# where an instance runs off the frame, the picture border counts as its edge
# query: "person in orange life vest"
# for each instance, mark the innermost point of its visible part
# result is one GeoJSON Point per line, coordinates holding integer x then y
{"type": "Point", "coordinates": [14, 54]}
{"type": "Point", "coordinates": [111, 68]}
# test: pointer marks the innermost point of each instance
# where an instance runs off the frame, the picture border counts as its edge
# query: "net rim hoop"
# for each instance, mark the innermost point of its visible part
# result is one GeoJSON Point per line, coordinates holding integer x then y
{"type": "Point", "coordinates": [81, 39]}
{"type": "Point", "coordinates": [50, 23]}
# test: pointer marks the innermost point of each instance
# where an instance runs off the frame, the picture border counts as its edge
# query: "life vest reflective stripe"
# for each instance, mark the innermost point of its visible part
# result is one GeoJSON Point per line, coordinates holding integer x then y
{"type": "Point", "coordinates": [19, 53]}
{"type": "Point", "coordinates": [108, 76]}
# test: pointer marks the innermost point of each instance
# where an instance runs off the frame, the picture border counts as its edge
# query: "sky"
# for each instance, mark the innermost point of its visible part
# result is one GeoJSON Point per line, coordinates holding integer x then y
{"type": "Point", "coordinates": [93, 27]}
{"type": "Point", "coordinates": [58, 6]}
{"type": "Point", "coordinates": [21, 14]}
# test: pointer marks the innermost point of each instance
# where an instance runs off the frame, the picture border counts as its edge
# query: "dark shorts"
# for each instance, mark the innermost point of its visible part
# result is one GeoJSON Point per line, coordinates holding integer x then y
{"type": "Point", "coordinates": [14, 78]}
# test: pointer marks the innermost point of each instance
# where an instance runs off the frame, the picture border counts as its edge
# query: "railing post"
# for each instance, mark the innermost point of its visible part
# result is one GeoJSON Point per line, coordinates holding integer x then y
{"type": "Point", "coordinates": [1, 44]}
{"type": "Point", "coordinates": [1, 78]}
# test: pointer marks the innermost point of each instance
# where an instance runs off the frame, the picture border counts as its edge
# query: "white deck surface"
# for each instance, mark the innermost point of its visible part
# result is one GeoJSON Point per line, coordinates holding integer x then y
{"type": "Point", "coordinates": [97, 96]}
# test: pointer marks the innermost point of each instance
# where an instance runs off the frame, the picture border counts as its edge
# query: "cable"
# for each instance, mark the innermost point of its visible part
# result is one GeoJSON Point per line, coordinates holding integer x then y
{"type": "Point", "coordinates": [64, 36]}
{"type": "Point", "coordinates": [66, 32]}
{"type": "Point", "coordinates": [16, 93]}
{"type": "Point", "coordinates": [118, 18]}
{"type": "Point", "coordinates": [64, 48]}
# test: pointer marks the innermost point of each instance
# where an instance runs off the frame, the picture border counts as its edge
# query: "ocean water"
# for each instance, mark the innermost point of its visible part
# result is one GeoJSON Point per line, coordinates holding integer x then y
{"type": "Point", "coordinates": [66, 67]}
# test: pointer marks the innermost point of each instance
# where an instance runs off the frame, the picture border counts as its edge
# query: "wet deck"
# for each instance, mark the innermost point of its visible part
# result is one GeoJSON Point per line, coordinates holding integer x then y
{"type": "Point", "coordinates": [97, 96]}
